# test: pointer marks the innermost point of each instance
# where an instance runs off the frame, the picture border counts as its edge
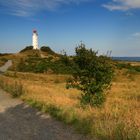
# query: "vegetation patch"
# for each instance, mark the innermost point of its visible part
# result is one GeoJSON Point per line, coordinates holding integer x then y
{"type": "Point", "coordinates": [27, 49]}
{"type": "Point", "coordinates": [15, 88]}
{"type": "Point", "coordinates": [3, 60]}
{"type": "Point", "coordinates": [131, 69]}
{"type": "Point", "coordinates": [48, 50]}
{"type": "Point", "coordinates": [45, 65]}
{"type": "Point", "coordinates": [92, 75]}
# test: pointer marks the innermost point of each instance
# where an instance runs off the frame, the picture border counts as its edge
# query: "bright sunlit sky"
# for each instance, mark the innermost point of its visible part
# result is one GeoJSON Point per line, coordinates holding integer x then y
{"type": "Point", "coordinates": [61, 24]}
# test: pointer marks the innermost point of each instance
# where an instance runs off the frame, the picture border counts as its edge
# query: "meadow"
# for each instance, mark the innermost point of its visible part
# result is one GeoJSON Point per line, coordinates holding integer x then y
{"type": "Point", "coordinates": [117, 119]}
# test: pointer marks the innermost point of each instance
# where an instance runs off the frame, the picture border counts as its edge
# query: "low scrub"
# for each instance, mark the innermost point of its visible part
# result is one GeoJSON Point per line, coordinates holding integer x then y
{"type": "Point", "coordinates": [131, 69]}
{"type": "Point", "coordinates": [27, 49]}
{"type": "Point", "coordinates": [45, 65]}
{"type": "Point", "coordinates": [15, 88]}
{"type": "Point", "coordinates": [3, 60]}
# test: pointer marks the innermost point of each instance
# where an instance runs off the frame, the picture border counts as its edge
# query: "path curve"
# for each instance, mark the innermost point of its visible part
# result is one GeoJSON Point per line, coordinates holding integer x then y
{"type": "Point", "coordinates": [19, 121]}
{"type": "Point", "coordinates": [6, 66]}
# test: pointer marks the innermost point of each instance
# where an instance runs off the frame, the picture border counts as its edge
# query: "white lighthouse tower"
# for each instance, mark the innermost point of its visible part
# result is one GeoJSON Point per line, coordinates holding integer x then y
{"type": "Point", "coordinates": [35, 40]}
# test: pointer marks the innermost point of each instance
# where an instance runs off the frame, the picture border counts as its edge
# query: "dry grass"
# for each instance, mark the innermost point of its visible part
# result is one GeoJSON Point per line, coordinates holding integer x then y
{"type": "Point", "coordinates": [1, 63]}
{"type": "Point", "coordinates": [41, 78]}
{"type": "Point", "coordinates": [117, 119]}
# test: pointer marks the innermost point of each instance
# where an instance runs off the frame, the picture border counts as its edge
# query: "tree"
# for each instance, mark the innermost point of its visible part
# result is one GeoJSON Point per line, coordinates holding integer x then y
{"type": "Point", "coordinates": [92, 75]}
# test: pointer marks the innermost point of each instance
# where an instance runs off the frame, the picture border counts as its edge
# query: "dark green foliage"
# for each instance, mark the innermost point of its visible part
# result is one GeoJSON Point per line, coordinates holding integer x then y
{"type": "Point", "coordinates": [93, 74]}
{"type": "Point", "coordinates": [5, 54]}
{"type": "Point", "coordinates": [54, 63]}
{"type": "Point", "coordinates": [26, 49]}
{"type": "Point", "coordinates": [123, 65]}
{"type": "Point", "coordinates": [136, 68]}
{"type": "Point", "coordinates": [48, 50]}
{"type": "Point", "coordinates": [3, 59]}
{"type": "Point", "coordinates": [40, 65]}
{"type": "Point", "coordinates": [131, 69]}
{"type": "Point", "coordinates": [65, 59]}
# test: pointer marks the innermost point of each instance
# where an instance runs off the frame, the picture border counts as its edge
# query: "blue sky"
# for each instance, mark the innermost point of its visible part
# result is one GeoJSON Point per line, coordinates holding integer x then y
{"type": "Point", "coordinates": [61, 24]}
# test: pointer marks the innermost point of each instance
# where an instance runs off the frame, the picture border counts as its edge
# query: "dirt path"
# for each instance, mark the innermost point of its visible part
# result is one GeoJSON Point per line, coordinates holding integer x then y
{"type": "Point", "coordinates": [5, 67]}
{"type": "Point", "coordinates": [18, 121]}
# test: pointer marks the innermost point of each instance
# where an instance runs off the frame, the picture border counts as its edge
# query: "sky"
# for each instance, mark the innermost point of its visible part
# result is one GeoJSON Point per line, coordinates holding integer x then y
{"type": "Point", "coordinates": [103, 25]}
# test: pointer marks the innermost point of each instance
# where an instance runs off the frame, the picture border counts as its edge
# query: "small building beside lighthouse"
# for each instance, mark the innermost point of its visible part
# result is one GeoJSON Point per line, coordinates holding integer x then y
{"type": "Point", "coordinates": [35, 40]}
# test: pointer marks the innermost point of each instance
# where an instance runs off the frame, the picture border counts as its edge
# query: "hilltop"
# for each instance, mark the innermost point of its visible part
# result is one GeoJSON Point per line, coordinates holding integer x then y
{"type": "Point", "coordinates": [43, 52]}
{"type": "Point", "coordinates": [39, 61]}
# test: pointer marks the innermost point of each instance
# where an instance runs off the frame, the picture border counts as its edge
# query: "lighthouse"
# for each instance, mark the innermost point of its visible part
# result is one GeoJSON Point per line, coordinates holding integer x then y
{"type": "Point", "coordinates": [35, 40]}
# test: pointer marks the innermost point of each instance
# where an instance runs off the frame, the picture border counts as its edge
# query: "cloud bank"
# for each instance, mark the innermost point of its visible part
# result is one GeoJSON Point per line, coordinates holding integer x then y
{"type": "Point", "coordinates": [26, 8]}
{"type": "Point", "coordinates": [122, 5]}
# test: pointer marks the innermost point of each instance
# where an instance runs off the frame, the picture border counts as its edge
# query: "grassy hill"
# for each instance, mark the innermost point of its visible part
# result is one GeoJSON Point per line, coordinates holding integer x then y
{"type": "Point", "coordinates": [43, 52]}
{"type": "Point", "coordinates": [39, 61]}
{"type": "Point", "coordinates": [41, 82]}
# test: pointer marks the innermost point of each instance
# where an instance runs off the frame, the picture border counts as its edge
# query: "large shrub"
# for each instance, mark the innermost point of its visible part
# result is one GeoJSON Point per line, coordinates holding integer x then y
{"type": "Point", "coordinates": [92, 75]}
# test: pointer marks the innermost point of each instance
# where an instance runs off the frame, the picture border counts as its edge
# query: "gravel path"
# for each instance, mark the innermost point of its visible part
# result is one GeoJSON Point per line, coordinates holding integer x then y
{"type": "Point", "coordinates": [5, 67]}
{"type": "Point", "coordinates": [18, 121]}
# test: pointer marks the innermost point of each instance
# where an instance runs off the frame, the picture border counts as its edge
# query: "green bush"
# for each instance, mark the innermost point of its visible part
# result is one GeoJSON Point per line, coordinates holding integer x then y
{"type": "Point", "coordinates": [123, 65]}
{"type": "Point", "coordinates": [92, 75]}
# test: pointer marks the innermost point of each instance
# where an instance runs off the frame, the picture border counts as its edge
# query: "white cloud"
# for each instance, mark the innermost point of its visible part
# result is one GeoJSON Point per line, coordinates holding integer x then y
{"type": "Point", "coordinates": [129, 13]}
{"type": "Point", "coordinates": [137, 34]}
{"type": "Point", "coordinates": [122, 5]}
{"type": "Point", "coordinates": [30, 7]}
